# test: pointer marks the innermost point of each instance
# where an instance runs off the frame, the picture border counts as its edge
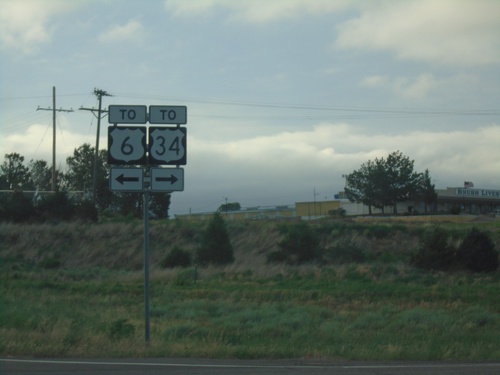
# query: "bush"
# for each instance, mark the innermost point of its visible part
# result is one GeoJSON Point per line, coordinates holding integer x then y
{"type": "Point", "coordinates": [120, 329]}
{"type": "Point", "coordinates": [345, 251]}
{"type": "Point", "coordinates": [434, 252]}
{"type": "Point", "coordinates": [50, 263]}
{"type": "Point", "coordinates": [477, 252]}
{"type": "Point", "coordinates": [86, 211]}
{"type": "Point", "coordinates": [300, 245]}
{"type": "Point", "coordinates": [215, 247]}
{"type": "Point", "coordinates": [177, 257]}
{"type": "Point", "coordinates": [16, 207]}
{"type": "Point", "coordinates": [278, 256]}
{"type": "Point", "coordinates": [56, 206]}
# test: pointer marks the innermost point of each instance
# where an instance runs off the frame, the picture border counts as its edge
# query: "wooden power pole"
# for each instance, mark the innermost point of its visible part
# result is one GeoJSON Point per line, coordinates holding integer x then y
{"type": "Point", "coordinates": [54, 110]}
{"type": "Point", "coordinates": [99, 94]}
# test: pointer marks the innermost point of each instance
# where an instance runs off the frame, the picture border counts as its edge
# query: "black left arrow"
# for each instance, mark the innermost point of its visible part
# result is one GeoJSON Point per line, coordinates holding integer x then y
{"type": "Point", "coordinates": [172, 179]}
{"type": "Point", "coordinates": [121, 179]}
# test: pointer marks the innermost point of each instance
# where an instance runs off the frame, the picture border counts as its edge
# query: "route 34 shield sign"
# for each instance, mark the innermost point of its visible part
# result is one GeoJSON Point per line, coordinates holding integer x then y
{"type": "Point", "coordinates": [167, 145]}
{"type": "Point", "coordinates": [127, 145]}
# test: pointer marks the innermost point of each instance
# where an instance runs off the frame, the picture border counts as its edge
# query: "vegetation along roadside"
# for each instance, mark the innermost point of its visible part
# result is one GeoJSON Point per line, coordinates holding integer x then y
{"type": "Point", "coordinates": [352, 290]}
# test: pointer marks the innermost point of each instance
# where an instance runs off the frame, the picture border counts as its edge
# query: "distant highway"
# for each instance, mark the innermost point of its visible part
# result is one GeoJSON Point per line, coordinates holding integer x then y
{"type": "Point", "coordinates": [9, 366]}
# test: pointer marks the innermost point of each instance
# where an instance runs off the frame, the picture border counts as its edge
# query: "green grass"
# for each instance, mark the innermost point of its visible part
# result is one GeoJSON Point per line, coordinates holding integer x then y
{"type": "Point", "coordinates": [351, 312]}
{"type": "Point", "coordinates": [73, 290]}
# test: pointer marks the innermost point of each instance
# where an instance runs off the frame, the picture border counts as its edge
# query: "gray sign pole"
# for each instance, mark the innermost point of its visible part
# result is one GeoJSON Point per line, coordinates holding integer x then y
{"type": "Point", "coordinates": [146, 266]}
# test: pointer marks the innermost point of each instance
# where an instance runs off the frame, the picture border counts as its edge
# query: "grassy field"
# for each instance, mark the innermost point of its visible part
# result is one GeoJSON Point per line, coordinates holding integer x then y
{"type": "Point", "coordinates": [77, 291]}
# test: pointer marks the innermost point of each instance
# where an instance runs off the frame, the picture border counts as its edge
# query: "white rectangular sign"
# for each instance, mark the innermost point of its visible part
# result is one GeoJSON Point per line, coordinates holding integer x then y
{"type": "Point", "coordinates": [127, 114]}
{"type": "Point", "coordinates": [167, 114]}
{"type": "Point", "coordinates": [126, 179]}
{"type": "Point", "coordinates": [167, 179]}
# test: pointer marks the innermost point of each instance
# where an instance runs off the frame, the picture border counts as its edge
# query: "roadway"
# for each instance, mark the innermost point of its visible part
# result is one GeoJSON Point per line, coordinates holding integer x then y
{"type": "Point", "coordinates": [10, 366]}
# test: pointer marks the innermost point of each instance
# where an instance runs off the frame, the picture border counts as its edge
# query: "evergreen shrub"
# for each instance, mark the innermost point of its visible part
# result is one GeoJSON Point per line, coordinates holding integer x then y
{"type": "Point", "coordinates": [477, 252]}
{"type": "Point", "coordinates": [215, 247]}
{"type": "Point", "coordinates": [300, 245]}
{"type": "Point", "coordinates": [434, 252]}
{"type": "Point", "coordinates": [177, 257]}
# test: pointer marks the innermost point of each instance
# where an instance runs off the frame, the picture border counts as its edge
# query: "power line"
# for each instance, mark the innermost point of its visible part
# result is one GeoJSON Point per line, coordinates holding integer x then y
{"type": "Point", "coordinates": [41, 140]}
{"type": "Point", "coordinates": [36, 97]}
{"type": "Point", "coordinates": [330, 112]}
{"type": "Point", "coordinates": [378, 110]}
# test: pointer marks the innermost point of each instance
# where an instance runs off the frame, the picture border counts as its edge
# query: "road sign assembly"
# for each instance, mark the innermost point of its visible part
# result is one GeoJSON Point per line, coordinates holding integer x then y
{"type": "Point", "coordinates": [138, 145]}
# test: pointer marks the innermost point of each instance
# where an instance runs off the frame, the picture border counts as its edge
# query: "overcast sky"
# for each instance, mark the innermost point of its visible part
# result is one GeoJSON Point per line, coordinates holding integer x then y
{"type": "Point", "coordinates": [283, 96]}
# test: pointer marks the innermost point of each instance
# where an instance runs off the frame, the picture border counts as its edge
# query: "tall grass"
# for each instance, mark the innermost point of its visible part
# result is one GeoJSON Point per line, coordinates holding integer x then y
{"type": "Point", "coordinates": [349, 312]}
{"type": "Point", "coordinates": [381, 308]}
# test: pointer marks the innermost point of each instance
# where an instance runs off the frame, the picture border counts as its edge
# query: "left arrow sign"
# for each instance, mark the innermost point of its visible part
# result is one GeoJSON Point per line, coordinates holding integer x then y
{"type": "Point", "coordinates": [121, 179]}
{"type": "Point", "coordinates": [126, 179]}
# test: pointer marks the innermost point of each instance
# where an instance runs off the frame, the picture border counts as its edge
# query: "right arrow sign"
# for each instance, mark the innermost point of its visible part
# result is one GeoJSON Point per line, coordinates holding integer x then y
{"type": "Point", "coordinates": [167, 179]}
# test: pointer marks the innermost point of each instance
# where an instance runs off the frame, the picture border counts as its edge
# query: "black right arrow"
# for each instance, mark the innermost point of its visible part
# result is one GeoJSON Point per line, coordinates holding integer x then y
{"type": "Point", "coordinates": [121, 179]}
{"type": "Point", "coordinates": [172, 179]}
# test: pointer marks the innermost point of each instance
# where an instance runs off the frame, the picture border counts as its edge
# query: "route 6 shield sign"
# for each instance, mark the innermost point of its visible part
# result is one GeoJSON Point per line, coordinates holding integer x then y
{"type": "Point", "coordinates": [167, 145]}
{"type": "Point", "coordinates": [127, 145]}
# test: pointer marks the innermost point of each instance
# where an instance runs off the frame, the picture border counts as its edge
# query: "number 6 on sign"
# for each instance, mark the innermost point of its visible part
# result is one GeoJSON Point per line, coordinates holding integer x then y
{"type": "Point", "coordinates": [167, 145]}
{"type": "Point", "coordinates": [126, 145]}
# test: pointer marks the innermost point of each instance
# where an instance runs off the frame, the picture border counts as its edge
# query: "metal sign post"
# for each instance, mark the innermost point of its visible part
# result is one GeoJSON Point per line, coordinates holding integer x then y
{"type": "Point", "coordinates": [146, 266]}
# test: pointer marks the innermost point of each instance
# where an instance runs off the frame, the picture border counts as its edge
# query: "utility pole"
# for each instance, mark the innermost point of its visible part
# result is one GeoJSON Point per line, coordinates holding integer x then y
{"type": "Point", "coordinates": [99, 94]}
{"type": "Point", "coordinates": [315, 203]}
{"type": "Point", "coordinates": [54, 110]}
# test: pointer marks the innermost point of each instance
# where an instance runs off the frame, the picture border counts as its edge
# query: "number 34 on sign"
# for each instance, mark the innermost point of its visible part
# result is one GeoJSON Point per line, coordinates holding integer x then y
{"type": "Point", "coordinates": [127, 145]}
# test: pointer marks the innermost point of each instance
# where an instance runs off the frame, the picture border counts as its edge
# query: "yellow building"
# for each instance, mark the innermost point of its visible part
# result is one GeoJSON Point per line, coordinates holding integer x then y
{"type": "Point", "coordinates": [315, 210]}
{"type": "Point", "coordinates": [253, 213]}
{"type": "Point", "coordinates": [301, 210]}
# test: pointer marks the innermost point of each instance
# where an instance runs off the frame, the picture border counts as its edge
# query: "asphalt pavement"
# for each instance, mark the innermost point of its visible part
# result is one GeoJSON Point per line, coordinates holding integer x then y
{"type": "Point", "coordinates": [12, 366]}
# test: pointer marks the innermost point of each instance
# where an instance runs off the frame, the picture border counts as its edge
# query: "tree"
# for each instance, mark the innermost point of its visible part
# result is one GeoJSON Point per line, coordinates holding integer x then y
{"type": "Point", "coordinates": [159, 205]}
{"type": "Point", "coordinates": [128, 203]}
{"type": "Point", "coordinates": [80, 167]}
{"type": "Point", "coordinates": [79, 175]}
{"type": "Point", "coordinates": [56, 206]}
{"type": "Point", "coordinates": [40, 175]}
{"type": "Point", "coordinates": [426, 190]}
{"type": "Point", "coordinates": [215, 247]}
{"type": "Point", "coordinates": [15, 175]}
{"type": "Point", "coordinates": [383, 182]}
{"type": "Point", "coordinates": [234, 206]}
{"type": "Point", "coordinates": [400, 179]}
{"type": "Point", "coordinates": [365, 185]}
{"type": "Point", "coordinates": [16, 207]}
